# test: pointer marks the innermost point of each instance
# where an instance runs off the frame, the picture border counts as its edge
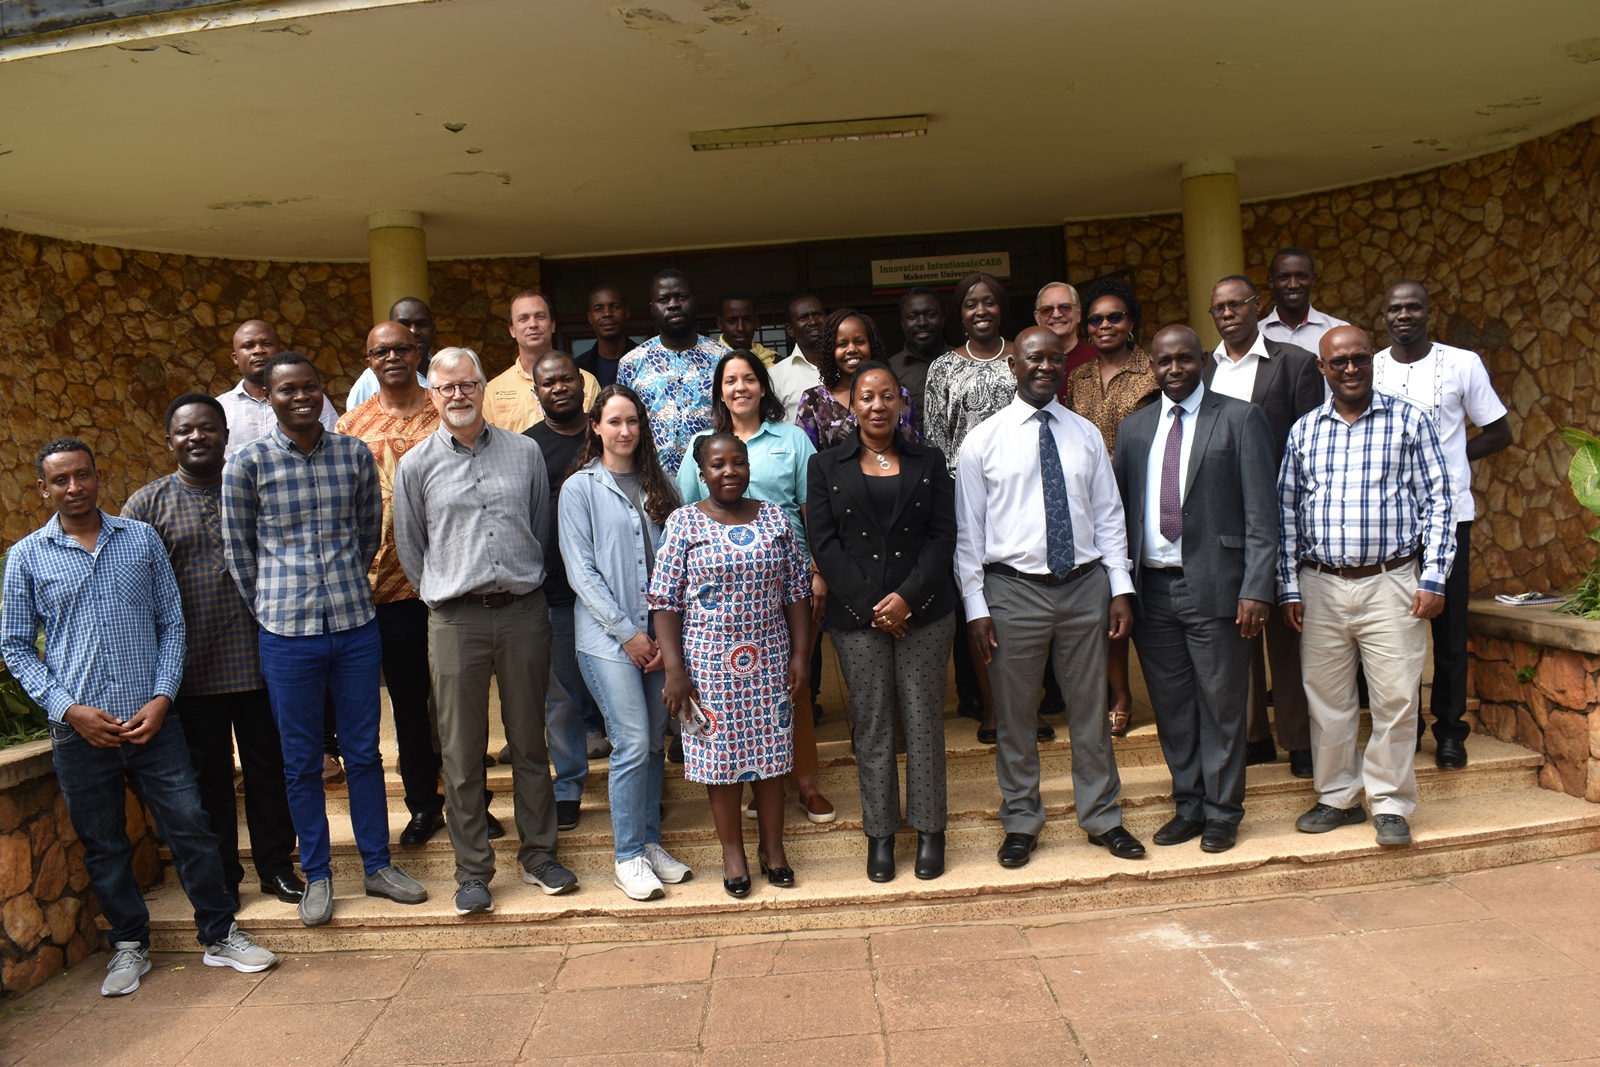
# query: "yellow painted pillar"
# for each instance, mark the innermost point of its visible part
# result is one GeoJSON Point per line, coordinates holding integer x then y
{"type": "Point", "coordinates": [397, 250]}
{"type": "Point", "coordinates": [1213, 236]}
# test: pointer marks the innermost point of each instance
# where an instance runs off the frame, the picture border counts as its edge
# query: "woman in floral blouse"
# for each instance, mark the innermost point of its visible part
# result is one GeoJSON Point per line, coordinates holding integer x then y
{"type": "Point", "coordinates": [824, 413]}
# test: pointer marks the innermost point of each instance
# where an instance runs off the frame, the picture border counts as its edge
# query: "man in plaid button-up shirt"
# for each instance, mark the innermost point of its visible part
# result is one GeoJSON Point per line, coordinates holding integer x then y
{"type": "Point", "coordinates": [302, 515]}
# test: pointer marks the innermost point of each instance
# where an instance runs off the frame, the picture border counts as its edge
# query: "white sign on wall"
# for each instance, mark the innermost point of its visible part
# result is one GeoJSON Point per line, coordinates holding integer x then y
{"type": "Point", "coordinates": [937, 270]}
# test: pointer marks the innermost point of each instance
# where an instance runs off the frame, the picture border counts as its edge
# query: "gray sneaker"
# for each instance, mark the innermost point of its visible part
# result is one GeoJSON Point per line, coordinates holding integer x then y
{"type": "Point", "coordinates": [1392, 829]}
{"type": "Point", "coordinates": [394, 884]}
{"type": "Point", "coordinates": [316, 904]}
{"type": "Point", "coordinates": [472, 897]}
{"type": "Point", "coordinates": [129, 963]}
{"type": "Point", "coordinates": [1324, 817]}
{"type": "Point", "coordinates": [238, 951]}
{"type": "Point", "coordinates": [598, 744]}
{"type": "Point", "coordinates": [551, 877]}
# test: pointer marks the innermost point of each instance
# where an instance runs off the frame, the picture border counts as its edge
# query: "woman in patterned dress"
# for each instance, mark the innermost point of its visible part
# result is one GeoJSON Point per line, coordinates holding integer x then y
{"type": "Point", "coordinates": [731, 596]}
{"type": "Point", "coordinates": [825, 412]}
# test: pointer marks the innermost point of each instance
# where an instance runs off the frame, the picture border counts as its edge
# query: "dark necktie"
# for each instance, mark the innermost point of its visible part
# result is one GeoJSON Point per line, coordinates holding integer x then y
{"type": "Point", "coordinates": [1171, 502]}
{"type": "Point", "coordinates": [1057, 510]}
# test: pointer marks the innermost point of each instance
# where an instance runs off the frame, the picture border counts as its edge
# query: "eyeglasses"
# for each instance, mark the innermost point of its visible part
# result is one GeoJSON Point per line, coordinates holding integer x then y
{"type": "Point", "coordinates": [385, 351]}
{"type": "Point", "coordinates": [1056, 309]}
{"type": "Point", "coordinates": [1344, 363]}
{"type": "Point", "coordinates": [1115, 318]}
{"type": "Point", "coordinates": [456, 388]}
{"type": "Point", "coordinates": [1232, 307]}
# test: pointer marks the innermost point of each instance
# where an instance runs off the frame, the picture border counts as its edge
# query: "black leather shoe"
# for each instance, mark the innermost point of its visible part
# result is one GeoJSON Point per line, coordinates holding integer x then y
{"type": "Point", "coordinates": [1016, 848]}
{"type": "Point", "coordinates": [1120, 843]}
{"type": "Point", "coordinates": [496, 831]}
{"type": "Point", "coordinates": [970, 709]}
{"type": "Point", "coordinates": [1178, 830]}
{"type": "Point", "coordinates": [1219, 836]}
{"type": "Point", "coordinates": [987, 737]}
{"type": "Point", "coordinates": [422, 826]}
{"type": "Point", "coordinates": [782, 877]}
{"type": "Point", "coordinates": [737, 887]}
{"type": "Point", "coordinates": [1300, 763]}
{"type": "Point", "coordinates": [880, 858]}
{"type": "Point", "coordinates": [286, 887]}
{"type": "Point", "coordinates": [1451, 755]}
{"type": "Point", "coordinates": [1263, 751]}
{"type": "Point", "coordinates": [930, 854]}
{"type": "Point", "coordinates": [567, 812]}
{"type": "Point", "coordinates": [1047, 732]}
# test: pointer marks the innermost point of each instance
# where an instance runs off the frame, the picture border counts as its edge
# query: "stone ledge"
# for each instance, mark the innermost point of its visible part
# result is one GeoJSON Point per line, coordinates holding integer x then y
{"type": "Point", "coordinates": [1540, 625]}
{"type": "Point", "coordinates": [24, 763]}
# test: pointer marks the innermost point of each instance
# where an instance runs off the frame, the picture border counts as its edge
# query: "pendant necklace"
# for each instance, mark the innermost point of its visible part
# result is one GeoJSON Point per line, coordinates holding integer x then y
{"type": "Point", "coordinates": [882, 462]}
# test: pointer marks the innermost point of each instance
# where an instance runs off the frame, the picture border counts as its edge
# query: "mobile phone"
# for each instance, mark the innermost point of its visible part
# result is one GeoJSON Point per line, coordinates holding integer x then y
{"type": "Point", "coordinates": [700, 721]}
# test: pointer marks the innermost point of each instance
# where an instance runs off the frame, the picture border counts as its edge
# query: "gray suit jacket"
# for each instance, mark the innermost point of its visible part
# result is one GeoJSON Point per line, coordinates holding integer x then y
{"type": "Point", "coordinates": [1230, 503]}
{"type": "Point", "coordinates": [1288, 384]}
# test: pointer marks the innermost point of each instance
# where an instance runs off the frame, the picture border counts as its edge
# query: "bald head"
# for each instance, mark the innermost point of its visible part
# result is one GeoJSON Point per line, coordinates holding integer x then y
{"type": "Point", "coordinates": [1040, 364]}
{"type": "Point", "coordinates": [1346, 363]}
{"type": "Point", "coordinates": [1177, 334]}
{"type": "Point", "coordinates": [1343, 336]}
{"type": "Point", "coordinates": [1035, 334]}
{"type": "Point", "coordinates": [255, 342]}
{"type": "Point", "coordinates": [393, 355]}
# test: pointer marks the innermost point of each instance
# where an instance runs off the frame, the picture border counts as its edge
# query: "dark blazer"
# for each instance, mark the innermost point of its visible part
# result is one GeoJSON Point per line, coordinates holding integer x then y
{"type": "Point", "coordinates": [1288, 384]}
{"type": "Point", "coordinates": [1230, 503]}
{"type": "Point", "coordinates": [863, 562]}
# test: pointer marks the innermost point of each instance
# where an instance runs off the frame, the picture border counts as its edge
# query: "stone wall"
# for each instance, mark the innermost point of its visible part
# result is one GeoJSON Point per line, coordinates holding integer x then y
{"type": "Point", "coordinates": [48, 912]}
{"type": "Point", "coordinates": [1557, 714]}
{"type": "Point", "coordinates": [95, 341]}
{"type": "Point", "coordinates": [1507, 245]}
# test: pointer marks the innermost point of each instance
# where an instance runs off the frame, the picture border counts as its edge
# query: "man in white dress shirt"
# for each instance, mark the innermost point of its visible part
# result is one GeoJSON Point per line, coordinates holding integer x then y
{"type": "Point", "coordinates": [249, 411]}
{"type": "Point", "coordinates": [1452, 386]}
{"type": "Point", "coordinates": [797, 372]}
{"type": "Point", "coordinates": [1042, 557]}
{"type": "Point", "coordinates": [1293, 321]}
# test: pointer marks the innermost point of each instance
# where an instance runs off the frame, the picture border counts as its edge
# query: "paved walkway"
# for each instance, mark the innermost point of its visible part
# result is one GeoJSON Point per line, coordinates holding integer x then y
{"type": "Point", "coordinates": [1495, 967]}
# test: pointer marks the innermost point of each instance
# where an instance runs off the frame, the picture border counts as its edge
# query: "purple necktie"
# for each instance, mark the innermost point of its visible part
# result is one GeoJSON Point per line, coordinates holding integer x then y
{"type": "Point", "coordinates": [1171, 505]}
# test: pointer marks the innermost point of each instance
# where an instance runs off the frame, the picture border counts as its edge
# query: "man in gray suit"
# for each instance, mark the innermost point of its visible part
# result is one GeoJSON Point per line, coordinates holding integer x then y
{"type": "Point", "coordinates": [1283, 381]}
{"type": "Point", "coordinates": [1198, 478]}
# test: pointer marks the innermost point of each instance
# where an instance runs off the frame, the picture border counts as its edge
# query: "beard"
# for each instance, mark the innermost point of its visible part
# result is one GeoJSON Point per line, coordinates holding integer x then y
{"type": "Point", "coordinates": [458, 417]}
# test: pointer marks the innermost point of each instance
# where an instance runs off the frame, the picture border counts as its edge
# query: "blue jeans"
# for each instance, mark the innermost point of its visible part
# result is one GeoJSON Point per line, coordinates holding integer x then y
{"type": "Point", "coordinates": [92, 780]}
{"type": "Point", "coordinates": [299, 671]}
{"type": "Point", "coordinates": [636, 722]}
{"type": "Point", "coordinates": [564, 708]}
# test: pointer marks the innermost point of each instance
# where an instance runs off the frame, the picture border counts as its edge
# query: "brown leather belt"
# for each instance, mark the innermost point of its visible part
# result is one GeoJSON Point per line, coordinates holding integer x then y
{"type": "Point", "coordinates": [484, 600]}
{"type": "Point", "coordinates": [1362, 572]}
{"type": "Point", "coordinates": [1041, 579]}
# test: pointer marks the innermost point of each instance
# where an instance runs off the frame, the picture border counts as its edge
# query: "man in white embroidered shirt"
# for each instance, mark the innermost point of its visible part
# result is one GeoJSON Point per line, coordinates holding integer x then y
{"type": "Point", "coordinates": [1042, 557]}
{"type": "Point", "coordinates": [1368, 535]}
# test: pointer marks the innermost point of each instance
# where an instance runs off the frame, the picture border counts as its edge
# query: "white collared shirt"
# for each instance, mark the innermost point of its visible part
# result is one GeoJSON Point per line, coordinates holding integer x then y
{"type": "Point", "coordinates": [1000, 514]}
{"type": "Point", "coordinates": [1157, 551]}
{"type": "Point", "coordinates": [1237, 377]}
{"type": "Point", "coordinates": [249, 418]}
{"type": "Point", "coordinates": [1307, 335]}
{"type": "Point", "coordinates": [791, 377]}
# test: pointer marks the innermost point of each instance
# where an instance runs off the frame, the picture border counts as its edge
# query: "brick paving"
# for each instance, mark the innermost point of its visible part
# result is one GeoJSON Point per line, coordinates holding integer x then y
{"type": "Point", "coordinates": [1494, 967]}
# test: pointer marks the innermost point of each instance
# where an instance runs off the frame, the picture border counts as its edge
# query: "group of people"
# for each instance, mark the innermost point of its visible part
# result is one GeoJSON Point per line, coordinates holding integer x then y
{"type": "Point", "coordinates": [648, 541]}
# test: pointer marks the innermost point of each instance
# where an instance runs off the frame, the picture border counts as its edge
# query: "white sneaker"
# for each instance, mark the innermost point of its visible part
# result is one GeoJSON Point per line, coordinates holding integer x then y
{"type": "Point", "coordinates": [238, 951]}
{"type": "Point", "coordinates": [129, 963]}
{"type": "Point", "coordinates": [667, 868]}
{"type": "Point", "coordinates": [635, 878]}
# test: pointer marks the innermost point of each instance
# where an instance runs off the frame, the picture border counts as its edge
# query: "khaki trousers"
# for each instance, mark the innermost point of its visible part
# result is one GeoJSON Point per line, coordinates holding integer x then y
{"type": "Point", "coordinates": [1365, 621]}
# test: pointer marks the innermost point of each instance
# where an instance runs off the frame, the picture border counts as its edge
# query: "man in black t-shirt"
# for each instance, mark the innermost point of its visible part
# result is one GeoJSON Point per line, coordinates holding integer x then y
{"type": "Point", "coordinates": [574, 729]}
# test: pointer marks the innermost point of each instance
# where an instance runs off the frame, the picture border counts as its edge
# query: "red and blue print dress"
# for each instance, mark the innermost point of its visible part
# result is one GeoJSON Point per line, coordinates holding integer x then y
{"type": "Point", "coordinates": [731, 584]}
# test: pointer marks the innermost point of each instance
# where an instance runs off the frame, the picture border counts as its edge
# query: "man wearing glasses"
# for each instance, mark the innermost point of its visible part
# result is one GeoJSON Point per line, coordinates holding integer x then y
{"type": "Point", "coordinates": [1368, 535]}
{"type": "Point", "coordinates": [1059, 309]}
{"type": "Point", "coordinates": [1283, 381]}
{"type": "Point", "coordinates": [415, 316]}
{"type": "Point", "coordinates": [471, 519]}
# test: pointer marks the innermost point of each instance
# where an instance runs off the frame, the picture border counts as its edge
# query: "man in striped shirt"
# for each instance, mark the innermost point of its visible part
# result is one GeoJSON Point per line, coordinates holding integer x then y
{"type": "Point", "coordinates": [1368, 538]}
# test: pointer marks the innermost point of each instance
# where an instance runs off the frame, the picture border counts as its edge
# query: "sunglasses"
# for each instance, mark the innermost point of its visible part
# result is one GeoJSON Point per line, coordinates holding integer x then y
{"type": "Point", "coordinates": [1115, 318]}
{"type": "Point", "coordinates": [1343, 364]}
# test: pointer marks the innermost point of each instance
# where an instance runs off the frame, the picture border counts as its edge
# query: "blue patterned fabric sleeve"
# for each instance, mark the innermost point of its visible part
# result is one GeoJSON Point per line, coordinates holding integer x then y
{"type": "Point", "coordinates": [671, 578]}
{"type": "Point", "coordinates": [796, 573]}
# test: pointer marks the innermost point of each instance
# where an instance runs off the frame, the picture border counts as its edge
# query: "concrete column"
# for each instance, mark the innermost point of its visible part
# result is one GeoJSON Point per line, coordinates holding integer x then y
{"type": "Point", "coordinates": [1213, 236]}
{"type": "Point", "coordinates": [397, 248]}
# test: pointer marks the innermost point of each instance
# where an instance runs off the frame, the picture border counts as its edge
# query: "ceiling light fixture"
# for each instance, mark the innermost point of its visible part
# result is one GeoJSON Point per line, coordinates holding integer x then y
{"type": "Point", "coordinates": [884, 129]}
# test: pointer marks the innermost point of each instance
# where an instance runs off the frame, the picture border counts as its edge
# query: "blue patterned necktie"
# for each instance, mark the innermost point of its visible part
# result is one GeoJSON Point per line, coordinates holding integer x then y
{"type": "Point", "coordinates": [1057, 510]}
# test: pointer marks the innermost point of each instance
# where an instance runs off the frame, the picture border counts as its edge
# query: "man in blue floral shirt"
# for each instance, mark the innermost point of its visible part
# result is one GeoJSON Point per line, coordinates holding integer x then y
{"type": "Point", "coordinates": [672, 371]}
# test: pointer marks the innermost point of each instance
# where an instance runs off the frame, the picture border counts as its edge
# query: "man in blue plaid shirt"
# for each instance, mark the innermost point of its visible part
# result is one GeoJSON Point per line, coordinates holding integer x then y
{"type": "Point", "coordinates": [1368, 538]}
{"type": "Point", "coordinates": [302, 517]}
{"type": "Point", "coordinates": [101, 589]}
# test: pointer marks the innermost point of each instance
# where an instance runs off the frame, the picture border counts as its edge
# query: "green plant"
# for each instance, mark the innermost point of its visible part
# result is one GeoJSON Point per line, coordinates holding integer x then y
{"type": "Point", "coordinates": [1526, 672]}
{"type": "Point", "coordinates": [1584, 474]}
{"type": "Point", "coordinates": [20, 718]}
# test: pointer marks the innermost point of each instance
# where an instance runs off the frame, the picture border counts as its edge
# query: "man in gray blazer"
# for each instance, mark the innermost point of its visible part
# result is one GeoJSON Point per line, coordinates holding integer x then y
{"type": "Point", "coordinates": [1197, 474]}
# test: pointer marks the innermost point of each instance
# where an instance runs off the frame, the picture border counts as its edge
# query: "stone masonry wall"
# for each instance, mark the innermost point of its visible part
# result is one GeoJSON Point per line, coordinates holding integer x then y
{"type": "Point", "coordinates": [1557, 715]}
{"type": "Point", "coordinates": [1507, 245]}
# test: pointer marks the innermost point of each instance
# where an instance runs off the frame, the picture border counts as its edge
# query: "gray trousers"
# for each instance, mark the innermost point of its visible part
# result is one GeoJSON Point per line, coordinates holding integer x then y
{"type": "Point", "coordinates": [1027, 617]}
{"type": "Point", "coordinates": [1197, 669]}
{"type": "Point", "coordinates": [884, 673]}
{"type": "Point", "coordinates": [467, 643]}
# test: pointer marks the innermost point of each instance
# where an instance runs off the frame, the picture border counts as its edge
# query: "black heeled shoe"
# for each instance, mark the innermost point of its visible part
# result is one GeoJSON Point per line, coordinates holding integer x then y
{"type": "Point", "coordinates": [739, 887]}
{"type": "Point", "coordinates": [880, 858]}
{"type": "Point", "coordinates": [782, 877]}
{"type": "Point", "coordinates": [930, 854]}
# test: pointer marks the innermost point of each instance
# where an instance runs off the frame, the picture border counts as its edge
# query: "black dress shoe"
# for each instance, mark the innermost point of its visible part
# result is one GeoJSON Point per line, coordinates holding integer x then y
{"type": "Point", "coordinates": [1263, 751]}
{"type": "Point", "coordinates": [1120, 843]}
{"type": "Point", "coordinates": [1450, 755]}
{"type": "Point", "coordinates": [422, 826]}
{"type": "Point", "coordinates": [1047, 732]}
{"type": "Point", "coordinates": [1016, 848]}
{"type": "Point", "coordinates": [675, 751]}
{"type": "Point", "coordinates": [782, 877]}
{"type": "Point", "coordinates": [567, 814]}
{"type": "Point", "coordinates": [880, 858]}
{"type": "Point", "coordinates": [987, 737]}
{"type": "Point", "coordinates": [1300, 763]}
{"type": "Point", "coordinates": [286, 887]}
{"type": "Point", "coordinates": [1219, 836]}
{"type": "Point", "coordinates": [970, 709]}
{"type": "Point", "coordinates": [496, 831]}
{"type": "Point", "coordinates": [1178, 830]}
{"type": "Point", "coordinates": [737, 887]}
{"type": "Point", "coordinates": [930, 854]}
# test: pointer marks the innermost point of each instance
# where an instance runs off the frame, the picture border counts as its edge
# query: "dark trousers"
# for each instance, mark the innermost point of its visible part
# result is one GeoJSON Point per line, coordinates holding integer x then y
{"type": "Point", "coordinates": [210, 724]}
{"type": "Point", "coordinates": [968, 693]}
{"type": "Point", "coordinates": [93, 782]}
{"type": "Point", "coordinates": [1449, 704]}
{"type": "Point", "coordinates": [403, 628]}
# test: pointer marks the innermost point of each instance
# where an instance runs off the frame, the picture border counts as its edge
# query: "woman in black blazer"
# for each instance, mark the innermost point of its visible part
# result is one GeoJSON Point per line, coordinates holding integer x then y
{"type": "Point", "coordinates": [880, 516]}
